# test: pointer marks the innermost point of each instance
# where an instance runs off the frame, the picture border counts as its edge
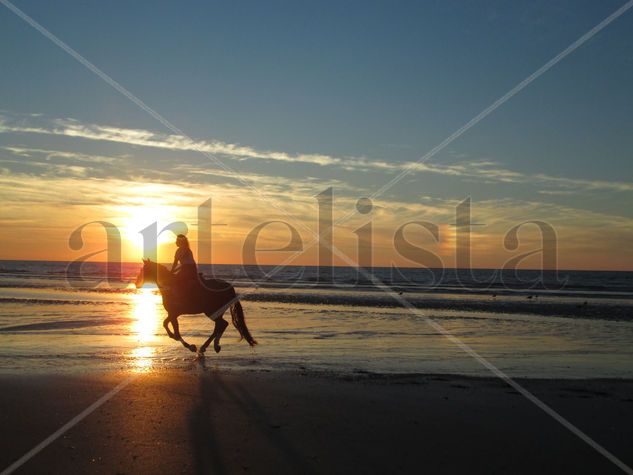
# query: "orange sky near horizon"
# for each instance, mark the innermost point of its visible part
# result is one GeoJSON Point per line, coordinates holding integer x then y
{"type": "Point", "coordinates": [32, 242]}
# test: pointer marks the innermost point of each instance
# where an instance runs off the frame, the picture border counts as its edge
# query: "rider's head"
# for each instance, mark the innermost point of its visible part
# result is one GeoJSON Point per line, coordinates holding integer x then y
{"type": "Point", "coordinates": [182, 241]}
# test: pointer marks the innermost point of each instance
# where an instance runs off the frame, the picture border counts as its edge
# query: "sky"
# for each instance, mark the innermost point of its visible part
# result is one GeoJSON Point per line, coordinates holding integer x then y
{"type": "Point", "coordinates": [274, 102]}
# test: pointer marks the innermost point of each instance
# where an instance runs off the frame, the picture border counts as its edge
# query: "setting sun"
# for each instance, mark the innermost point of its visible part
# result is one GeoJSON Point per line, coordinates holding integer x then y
{"type": "Point", "coordinates": [139, 219]}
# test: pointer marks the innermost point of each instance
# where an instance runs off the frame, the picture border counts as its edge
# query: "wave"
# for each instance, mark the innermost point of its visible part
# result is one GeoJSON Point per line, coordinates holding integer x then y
{"type": "Point", "coordinates": [62, 325]}
{"type": "Point", "coordinates": [596, 310]}
{"type": "Point", "coordinates": [36, 301]}
{"type": "Point", "coordinates": [563, 307]}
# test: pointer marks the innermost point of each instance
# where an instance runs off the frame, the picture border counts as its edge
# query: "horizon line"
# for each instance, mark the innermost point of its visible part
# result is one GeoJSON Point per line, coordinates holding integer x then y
{"type": "Point", "coordinates": [337, 266]}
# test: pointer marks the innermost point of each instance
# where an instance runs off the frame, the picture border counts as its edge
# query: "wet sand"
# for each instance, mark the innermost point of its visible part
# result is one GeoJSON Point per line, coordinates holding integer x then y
{"type": "Point", "coordinates": [202, 421]}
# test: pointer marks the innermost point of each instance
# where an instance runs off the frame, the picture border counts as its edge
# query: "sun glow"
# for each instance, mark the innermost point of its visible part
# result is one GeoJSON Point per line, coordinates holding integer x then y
{"type": "Point", "coordinates": [145, 323]}
{"type": "Point", "coordinates": [136, 219]}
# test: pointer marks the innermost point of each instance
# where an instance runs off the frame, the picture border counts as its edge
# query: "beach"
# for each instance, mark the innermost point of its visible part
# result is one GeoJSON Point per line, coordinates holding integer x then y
{"type": "Point", "coordinates": [342, 380]}
{"type": "Point", "coordinates": [202, 421]}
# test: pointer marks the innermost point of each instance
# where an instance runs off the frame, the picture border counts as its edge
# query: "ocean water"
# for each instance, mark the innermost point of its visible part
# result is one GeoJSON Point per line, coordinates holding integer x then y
{"type": "Point", "coordinates": [528, 324]}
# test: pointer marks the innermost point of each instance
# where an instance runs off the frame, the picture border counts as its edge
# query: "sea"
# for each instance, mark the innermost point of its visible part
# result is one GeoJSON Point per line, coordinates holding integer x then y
{"type": "Point", "coordinates": [60, 318]}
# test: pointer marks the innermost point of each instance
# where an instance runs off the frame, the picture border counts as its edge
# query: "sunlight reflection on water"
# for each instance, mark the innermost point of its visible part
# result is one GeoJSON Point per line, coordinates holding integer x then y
{"type": "Point", "coordinates": [145, 323]}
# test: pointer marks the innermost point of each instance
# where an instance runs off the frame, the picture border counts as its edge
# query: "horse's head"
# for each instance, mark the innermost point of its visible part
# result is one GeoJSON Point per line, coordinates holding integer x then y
{"type": "Point", "coordinates": [146, 274]}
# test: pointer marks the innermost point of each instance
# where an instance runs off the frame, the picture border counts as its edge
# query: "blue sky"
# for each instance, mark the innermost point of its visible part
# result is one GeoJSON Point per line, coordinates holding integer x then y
{"type": "Point", "coordinates": [361, 82]}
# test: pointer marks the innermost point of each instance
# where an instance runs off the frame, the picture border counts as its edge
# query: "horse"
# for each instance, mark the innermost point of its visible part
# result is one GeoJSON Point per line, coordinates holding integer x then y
{"type": "Point", "coordinates": [209, 296]}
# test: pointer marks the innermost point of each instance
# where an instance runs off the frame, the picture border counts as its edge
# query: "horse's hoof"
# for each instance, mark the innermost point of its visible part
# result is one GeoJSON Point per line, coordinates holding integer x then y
{"type": "Point", "coordinates": [217, 348]}
{"type": "Point", "coordinates": [193, 348]}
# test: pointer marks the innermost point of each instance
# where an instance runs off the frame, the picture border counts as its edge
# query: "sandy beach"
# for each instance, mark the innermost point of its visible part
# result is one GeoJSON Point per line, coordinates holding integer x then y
{"type": "Point", "coordinates": [204, 421]}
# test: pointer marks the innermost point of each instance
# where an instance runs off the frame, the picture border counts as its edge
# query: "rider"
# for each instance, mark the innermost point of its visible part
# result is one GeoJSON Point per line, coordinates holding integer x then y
{"type": "Point", "coordinates": [184, 267]}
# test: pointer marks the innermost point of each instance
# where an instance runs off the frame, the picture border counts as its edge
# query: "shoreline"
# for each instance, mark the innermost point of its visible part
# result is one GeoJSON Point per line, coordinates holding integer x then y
{"type": "Point", "coordinates": [194, 368]}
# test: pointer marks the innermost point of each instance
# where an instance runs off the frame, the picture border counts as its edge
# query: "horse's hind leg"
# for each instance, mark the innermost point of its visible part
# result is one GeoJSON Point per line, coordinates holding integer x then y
{"type": "Point", "coordinates": [203, 348]}
{"type": "Point", "coordinates": [220, 327]}
{"type": "Point", "coordinates": [206, 344]}
{"type": "Point", "coordinates": [218, 331]}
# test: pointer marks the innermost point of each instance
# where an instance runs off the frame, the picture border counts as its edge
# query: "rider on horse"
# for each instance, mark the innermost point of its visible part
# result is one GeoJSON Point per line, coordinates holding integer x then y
{"type": "Point", "coordinates": [184, 267]}
{"type": "Point", "coordinates": [185, 292]}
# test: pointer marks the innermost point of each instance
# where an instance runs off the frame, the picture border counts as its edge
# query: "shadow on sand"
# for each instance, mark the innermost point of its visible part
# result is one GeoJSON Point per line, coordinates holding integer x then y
{"type": "Point", "coordinates": [231, 430]}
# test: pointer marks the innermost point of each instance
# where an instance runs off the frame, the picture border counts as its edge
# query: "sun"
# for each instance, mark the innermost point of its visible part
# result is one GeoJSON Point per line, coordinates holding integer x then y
{"type": "Point", "coordinates": [137, 223]}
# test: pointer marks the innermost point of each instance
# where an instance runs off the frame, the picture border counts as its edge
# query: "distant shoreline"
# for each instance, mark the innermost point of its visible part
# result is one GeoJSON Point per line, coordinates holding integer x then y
{"type": "Point", "coordinates": [335, 266]}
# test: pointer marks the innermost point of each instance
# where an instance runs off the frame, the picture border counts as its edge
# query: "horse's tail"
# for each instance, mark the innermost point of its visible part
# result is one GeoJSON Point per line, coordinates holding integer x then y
{"type": "Point", "coordinates": [237, 315]}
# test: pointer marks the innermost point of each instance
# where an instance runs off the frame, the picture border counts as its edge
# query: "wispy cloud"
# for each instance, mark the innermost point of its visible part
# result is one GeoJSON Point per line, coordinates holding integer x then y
{"type": "Point", "coordinates": [489, 171]}
{"type": "Point", "coordinates": [146, 138]}
{"type": "Point", "coordinates": [56, 154]}
{"type": "Point", "coordinates": [482, 170]}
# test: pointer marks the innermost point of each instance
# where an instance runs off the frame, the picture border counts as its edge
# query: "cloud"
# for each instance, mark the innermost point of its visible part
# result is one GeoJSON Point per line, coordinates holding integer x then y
{"type": "Point", "coordinates": [55, 154]}
{"type": "Point", "coordinates": [146, 138]}
{"type": "Point", "coordinates": [484, 170]}
{"type": "Point", "coordinates": [491, 172]}
{"type": "Point", "coordinates": [556, 192]}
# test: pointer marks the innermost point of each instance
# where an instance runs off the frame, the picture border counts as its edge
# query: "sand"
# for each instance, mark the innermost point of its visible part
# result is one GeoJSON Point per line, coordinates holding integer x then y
{"type": "Point", "coordinates": [202, 421]}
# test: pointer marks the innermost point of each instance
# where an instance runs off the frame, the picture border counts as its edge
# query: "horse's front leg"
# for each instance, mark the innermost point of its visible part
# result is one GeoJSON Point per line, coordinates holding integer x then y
{"type": "Point", "coordinates": [176, 333]}
{"type": "Point", "coordinates": [174, 323]}
{"type": "Point", "coordinates": [166, 323]}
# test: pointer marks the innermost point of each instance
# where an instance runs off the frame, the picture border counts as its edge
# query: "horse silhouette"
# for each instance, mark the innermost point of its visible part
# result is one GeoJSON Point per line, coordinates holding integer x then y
{"type": "Point", "coordinates": [209, 296]}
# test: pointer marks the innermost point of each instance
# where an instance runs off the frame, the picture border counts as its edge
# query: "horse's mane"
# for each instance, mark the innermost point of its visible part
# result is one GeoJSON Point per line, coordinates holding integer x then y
{"type": "Point", "coordinates": [162, 272]}
{"type": "Point", "coordinates": [161, 268]}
